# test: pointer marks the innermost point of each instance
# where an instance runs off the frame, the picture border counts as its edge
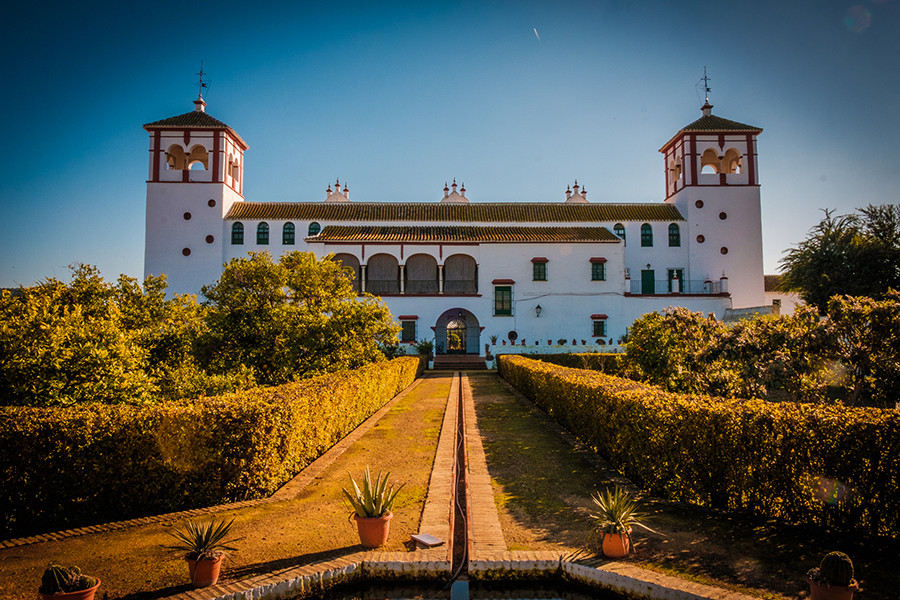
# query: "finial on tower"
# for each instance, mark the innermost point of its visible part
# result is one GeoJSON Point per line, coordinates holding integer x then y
{"type": "Point", "coordinates": [200, 103]}
{"type": "Point", "coordinates": [707, 107]}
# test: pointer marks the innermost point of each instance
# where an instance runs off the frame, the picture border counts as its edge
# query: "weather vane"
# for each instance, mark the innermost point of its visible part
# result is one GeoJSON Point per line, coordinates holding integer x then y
{"type": "Point", "coordinates": [705, 81]}
{"type": "Point", "coordinates": [201, 83]}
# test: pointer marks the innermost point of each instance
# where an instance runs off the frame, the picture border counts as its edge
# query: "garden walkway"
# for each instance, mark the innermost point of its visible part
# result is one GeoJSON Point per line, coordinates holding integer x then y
{"type": "Point", "coordinates": [300, 536]}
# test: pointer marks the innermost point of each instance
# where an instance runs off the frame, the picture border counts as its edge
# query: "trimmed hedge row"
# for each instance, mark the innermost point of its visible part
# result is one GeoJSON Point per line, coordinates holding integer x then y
{"type": "Point", "coordinates": [67, 467]}
{"type": "Point", "coordinates": [606, 362]}
{"type": "Point", "coordinates": [825, 465]}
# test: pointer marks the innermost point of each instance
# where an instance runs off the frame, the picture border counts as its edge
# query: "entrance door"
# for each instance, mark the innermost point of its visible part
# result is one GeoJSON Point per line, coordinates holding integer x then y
{"type": "Point", "coordinates": [648, 283]}
{"type": "Point", "coordinates": [456, 336]}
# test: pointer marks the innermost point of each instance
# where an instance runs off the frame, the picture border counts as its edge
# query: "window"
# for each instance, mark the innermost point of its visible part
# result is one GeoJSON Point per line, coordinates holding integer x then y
{"type": "Point", "coordinates": [287, 234]}
{"type": "Point", "coordinates": [646, 235]}
{"type": "Point", "coordinates": [314, 228]}
{"type": "Point", "coordinates": [619, 230]}
{"type": "Point", "coordinates": [408, 332]}
{"type": "Point", "coordinates": [599, 328]}
{"type": "Point", "coordinates": [237, 234]}
{"type": "Point", "coordinates": [262, 234]}
{"type": "Point", "coordinates": [539, 270]}
{"type": "Point", "coordinates": [598, 271]}
{"type": "Point", "coordinates": [674, 235]}
{"type": "Point", "coordinates": [502, 300]}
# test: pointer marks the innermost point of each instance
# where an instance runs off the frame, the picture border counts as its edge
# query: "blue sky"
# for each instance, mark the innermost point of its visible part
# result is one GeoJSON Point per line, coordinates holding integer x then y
{"type": "Point", "coordinates": [516, 99]}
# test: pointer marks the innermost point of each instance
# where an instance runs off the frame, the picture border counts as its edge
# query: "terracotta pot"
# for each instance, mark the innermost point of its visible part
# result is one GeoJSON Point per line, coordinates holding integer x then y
{"type": "Point", "coordinates": [205, 572]}
{"type": "Point", "coordinates": [87, 594]}
{"type": "Point", "coordinates": [823, 591]}
{"type": "Point", "coordinates": [373, 532]}
{"type": "Point", "coordinates": [616, 545]}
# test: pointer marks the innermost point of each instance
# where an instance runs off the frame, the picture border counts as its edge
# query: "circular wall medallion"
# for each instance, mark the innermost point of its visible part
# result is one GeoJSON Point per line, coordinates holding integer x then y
{"type": "Point", "coordinates": [186, 251]}
{"type": "Point", "coordinates": [210, 239]}
{"type": "Point", "coordinates": [699, 203]}
{"type": "Point", "coordinates": [211, 203]}
{"type": "Point", "coordinates": [723, 215]}
{"type": "Point", "coordinates": [700, 239]}
{"type": "Point", "coordinates": [187, 216]}
{"type": "Point", "coordinates": [724, 250]}
{"type": "Point", "coordinates": [512, 336]}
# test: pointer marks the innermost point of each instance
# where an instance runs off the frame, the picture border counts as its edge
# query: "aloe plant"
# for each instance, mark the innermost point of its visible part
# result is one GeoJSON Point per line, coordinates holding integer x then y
{"type": "Point", "coordinates": [617, 512]}
{"type": "Point", "coordinates": [374, 499]}
{"type": "Point", "coordinates": [203, 540]}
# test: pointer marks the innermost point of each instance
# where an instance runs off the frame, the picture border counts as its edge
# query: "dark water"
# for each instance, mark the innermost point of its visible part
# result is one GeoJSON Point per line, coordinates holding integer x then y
{"type": "Point", "coordinates": [512, 590]}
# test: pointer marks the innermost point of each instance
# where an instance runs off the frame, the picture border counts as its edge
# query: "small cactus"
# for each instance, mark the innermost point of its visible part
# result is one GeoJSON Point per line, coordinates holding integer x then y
{"type": "Point", "coordinates": [837, 568]}
{"type": "Point", "coordinates": [58, 579]}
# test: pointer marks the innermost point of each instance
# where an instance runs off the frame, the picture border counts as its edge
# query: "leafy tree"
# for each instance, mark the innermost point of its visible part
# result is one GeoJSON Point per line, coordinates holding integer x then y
{"type": "Point", "coordinates": [790, 353]}
{"type": "Point", "coordinates": [295, 318]}
{"type": "Point", "coordinates": [61, 344]}
{"type": "Point", "coordinates": [857, 255]}
{"type": "Point", "coordinates": [665, 349]}
{"type": "Point", "coordinates": [868, 345]}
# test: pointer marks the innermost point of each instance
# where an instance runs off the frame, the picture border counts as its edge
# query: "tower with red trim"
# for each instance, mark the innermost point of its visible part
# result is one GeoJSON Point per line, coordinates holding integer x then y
{"type": "Point", "coordinates": [196, 174]}
{"type": "Point", "coordinates": [712, 177]}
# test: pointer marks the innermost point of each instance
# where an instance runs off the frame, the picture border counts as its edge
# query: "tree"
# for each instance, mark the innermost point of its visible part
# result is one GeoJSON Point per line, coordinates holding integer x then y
{"type": "Point", "coordinates": [295, 318]}
{"type": "Point", "coordinates": [856, 255]}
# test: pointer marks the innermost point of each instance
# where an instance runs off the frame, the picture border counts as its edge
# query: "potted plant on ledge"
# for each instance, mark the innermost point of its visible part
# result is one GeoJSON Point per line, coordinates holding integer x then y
{"type": "Point", "coordinates": [204, 545]}
{"type": "Point", "coordinates": [616, 514]}
{"type": "Point", "coordinates": [67, 583]}
{"type": "Point", "coordinates": [371, 508]}
{"type": "Point", "coordinates": [833, 578]}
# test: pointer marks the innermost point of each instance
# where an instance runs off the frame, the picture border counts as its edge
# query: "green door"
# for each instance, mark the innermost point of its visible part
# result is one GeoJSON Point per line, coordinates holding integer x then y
{"type": "Point", "coordinates": [648, 282]}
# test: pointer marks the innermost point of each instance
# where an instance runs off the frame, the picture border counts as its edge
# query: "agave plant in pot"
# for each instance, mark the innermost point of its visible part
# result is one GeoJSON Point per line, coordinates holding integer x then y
{"type": "Point", "coordinates": [833, 578]}
{"type": "Point", "coordinates": [371, 507]}
{"type": "Point", "coordinates": [617, 513]}
{"type": "Point", "coordinates": [205, 546]}
{"type": "Point", "coordinates": [67, 583]}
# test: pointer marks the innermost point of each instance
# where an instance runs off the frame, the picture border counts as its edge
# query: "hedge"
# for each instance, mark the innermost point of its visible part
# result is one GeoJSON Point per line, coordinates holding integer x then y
{"type": "Point", "coordinates": [606, 362]}
{"type": "Point", "coordinates": [817, 464]}
{"type": "Point", "coordinates": [90, 463]}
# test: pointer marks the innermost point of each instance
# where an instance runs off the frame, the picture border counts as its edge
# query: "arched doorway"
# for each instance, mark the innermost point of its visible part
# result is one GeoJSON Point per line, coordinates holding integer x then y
{"type": "Point", "coordinates": [457, 331]}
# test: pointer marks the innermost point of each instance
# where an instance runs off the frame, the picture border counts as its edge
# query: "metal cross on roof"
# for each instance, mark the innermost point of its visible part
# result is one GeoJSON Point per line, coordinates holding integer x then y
{"type": "Point", "coordinates": [705, 81]}
{"type": "Point", "coordinates": [201, 84]}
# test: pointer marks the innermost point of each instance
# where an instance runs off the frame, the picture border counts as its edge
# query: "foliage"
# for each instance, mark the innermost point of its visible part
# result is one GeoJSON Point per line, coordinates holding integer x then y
{"type": "Point", "coordinates": [827, 465]}
{"type": "Point", "coordinates": [617, 513]}
{"type": "Point", "coordinates": [62, 580]}
{"type": "Point", "coordinates": [856, 255]}
{"type": "Point", "coordinates": [867, 338]}
{"type": "Point", "coordinates": [425, 347]}
{"type": "Point", "coordinates": [202, 541]}
{"type": "Point", "coordinates": [295, 318]}
{"type": "Point", "coordinates": [665, 349]}
{"type": "Point", "coordinates": [67, 467]}
{"type": "Point", "coordinates": [605, 362]}
{"type": "Point", "coordinates": [374, 499]}
{"type": "Point", "coordinates": [764, 355]}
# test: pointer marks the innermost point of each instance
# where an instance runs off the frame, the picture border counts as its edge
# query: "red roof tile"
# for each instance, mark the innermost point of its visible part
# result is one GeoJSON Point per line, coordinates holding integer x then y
{"type": "Point", "coordinates": [462, 233]}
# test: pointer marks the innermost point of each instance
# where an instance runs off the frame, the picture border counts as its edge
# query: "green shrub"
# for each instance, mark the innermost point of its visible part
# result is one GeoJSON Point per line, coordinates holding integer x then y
{"type": "Point", "coordinates": [595, 361]}
{"type": "Point", "coordinates": [828, 465]}
{"type": "Point", "coordinates": [65, 467]}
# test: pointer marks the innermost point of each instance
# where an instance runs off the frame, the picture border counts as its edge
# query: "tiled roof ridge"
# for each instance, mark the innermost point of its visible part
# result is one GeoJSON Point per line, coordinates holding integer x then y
{"type": "Point", "coordinates": [450, 233]}
{"type": "Point", "coordinates": [536, 212]}
{"type": "Point", "coordinates": [715, 123]}
{"type": "Point", "coordinates": [194, 118]}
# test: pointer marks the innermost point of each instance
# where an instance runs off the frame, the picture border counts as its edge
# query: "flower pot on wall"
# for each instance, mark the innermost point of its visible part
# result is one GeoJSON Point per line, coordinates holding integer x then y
{"type": "Point", "coordinates": [205, 572]}
{"type": "Point", "coordinates": [373, 531]}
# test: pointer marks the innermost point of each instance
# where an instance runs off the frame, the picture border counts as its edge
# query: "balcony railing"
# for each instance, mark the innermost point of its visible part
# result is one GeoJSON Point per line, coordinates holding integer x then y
{"type": "Point", "coordinates": [452, 287]}
{"type": "Point", "coordinates": [665, 286]}
{"type": "Point", "coordinates": [422, 287]}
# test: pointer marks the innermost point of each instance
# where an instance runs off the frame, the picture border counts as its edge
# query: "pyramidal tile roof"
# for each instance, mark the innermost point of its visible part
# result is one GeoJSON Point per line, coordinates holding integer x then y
{"type": "Point", "coordinates": [716, 123]}
{"type": "Point", "coordinates": [195, 120]}
{"type": "Point", "coordinates": [462, 233]}
{"type": "Point", "coordinates": [485, 212]}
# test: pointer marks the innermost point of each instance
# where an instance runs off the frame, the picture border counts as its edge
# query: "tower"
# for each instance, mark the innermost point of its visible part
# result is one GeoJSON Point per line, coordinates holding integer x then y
{"type": "Point", "coordinates": [712, 178]}
{"type": "Point", "coordinates": [196, 167]}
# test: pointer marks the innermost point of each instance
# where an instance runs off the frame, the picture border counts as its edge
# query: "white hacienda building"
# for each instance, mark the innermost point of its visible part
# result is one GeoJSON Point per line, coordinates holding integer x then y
{"type": "Point", "coordinates": [461, 272]}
